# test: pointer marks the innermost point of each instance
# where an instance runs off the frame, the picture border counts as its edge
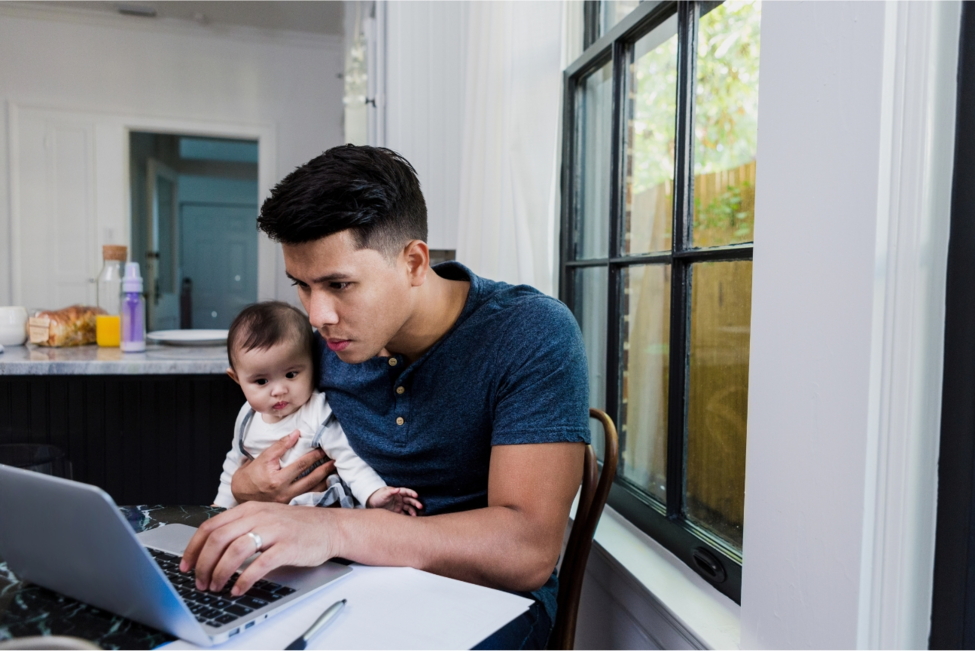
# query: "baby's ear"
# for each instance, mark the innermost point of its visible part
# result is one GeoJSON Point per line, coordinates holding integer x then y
{"type": "Point", "coordinates": [232, 375]}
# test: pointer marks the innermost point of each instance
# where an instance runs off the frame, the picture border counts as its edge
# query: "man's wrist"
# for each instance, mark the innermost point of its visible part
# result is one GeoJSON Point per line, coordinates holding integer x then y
{"type": "Point", "coordinates": [333, 530]}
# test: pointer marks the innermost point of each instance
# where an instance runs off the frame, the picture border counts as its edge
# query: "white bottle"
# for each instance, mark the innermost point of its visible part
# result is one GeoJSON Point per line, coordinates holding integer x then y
{"type": "Point", "coordinates": [110, 279]}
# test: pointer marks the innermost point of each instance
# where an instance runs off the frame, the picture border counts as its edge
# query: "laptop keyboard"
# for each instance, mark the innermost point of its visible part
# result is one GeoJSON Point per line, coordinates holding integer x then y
{"type": "Point", "coordinates": [217, 608]}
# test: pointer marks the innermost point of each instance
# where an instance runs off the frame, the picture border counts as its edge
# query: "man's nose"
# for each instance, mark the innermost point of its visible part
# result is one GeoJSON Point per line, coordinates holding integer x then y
{"type": "Point", "coordinates": [321, 310]}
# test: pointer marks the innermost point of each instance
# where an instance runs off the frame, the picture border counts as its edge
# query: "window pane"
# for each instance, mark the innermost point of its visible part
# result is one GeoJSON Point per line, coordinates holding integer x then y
{"type": "Point", "coordinates": [726, 124]}
{"type": "Point", "coordinates": [721, 298]}
{"type": "Point", "coordinates": [591, 293]}
{"type": "Point", "coordinates": [613, 11]}
{"type": "Point", "coordinates": [594, 149]}
{"type": "Point", "coordinates": [650, 130]}
{"type": "Point", "coordinates": [645, 334]}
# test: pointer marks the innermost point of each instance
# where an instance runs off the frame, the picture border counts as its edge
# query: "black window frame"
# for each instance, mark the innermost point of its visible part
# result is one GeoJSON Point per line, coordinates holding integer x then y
{"type": "Point", "coordinates": [953, 586]}
{"type": "Point", "coordinates": [711, 557]}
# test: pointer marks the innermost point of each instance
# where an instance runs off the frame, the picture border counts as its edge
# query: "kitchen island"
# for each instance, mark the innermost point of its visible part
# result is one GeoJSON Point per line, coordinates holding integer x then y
{"type": "Point", "coordinates": [149, 428]}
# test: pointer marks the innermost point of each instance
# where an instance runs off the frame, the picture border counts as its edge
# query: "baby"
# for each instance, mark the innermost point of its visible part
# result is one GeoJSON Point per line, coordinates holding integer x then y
{"type": "Point", "coordinates": [270, 347]}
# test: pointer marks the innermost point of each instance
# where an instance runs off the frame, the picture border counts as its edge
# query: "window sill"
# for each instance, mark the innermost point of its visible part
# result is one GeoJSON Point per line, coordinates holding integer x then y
{"type": "Point", "coordinates": [686, 599]}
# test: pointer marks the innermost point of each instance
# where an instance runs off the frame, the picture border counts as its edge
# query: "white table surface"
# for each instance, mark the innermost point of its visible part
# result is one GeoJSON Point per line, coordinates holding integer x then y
{"type": "Point", "coordinates": [388, 608]}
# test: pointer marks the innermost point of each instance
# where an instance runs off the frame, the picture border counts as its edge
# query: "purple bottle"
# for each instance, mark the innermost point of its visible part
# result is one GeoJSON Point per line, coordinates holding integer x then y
{"type": "Point", "coordinates": [133, 310]}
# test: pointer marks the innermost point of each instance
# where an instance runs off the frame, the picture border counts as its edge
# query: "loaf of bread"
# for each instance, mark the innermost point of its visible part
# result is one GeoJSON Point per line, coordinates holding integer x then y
{"type": "Point", "coordinates": [72, 326]}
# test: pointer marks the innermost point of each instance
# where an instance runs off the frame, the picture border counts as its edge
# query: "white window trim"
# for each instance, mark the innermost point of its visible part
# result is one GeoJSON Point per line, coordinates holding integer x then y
{"type": "Point", "coordinates": [683, 600]}
{"type": "Point", "coordinates": [885, 568]}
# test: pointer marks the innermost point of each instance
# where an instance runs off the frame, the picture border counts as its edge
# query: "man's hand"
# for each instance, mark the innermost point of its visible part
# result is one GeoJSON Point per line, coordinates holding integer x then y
{"type": "Point", "coordinates": [290, 535]}
{"type": "Point", "coordinates": [397, 500]}
{"type": "Point", "coordinates": [264, 480]}
{"type": "Point", "coordinates": [512, 544]}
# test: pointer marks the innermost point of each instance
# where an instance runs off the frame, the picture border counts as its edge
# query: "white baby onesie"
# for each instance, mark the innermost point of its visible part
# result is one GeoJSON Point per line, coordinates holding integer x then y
{"type": "Point", "coordinates": [308, 420]}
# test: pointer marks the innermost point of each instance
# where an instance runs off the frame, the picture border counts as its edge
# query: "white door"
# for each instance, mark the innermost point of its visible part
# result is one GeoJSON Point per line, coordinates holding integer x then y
{"type": "Point", "coordinates": [219, 244]}
{"type": "Point", "coordinates": [54, 241]}
{"type": "Point", "coordinates": [162, 248]}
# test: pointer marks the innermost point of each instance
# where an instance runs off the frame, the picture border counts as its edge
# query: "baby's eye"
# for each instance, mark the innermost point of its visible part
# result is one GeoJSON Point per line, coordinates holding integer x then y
{"type": "Point", "coordinates": [291, 375]}
{"type": "Point", "coordinates": [260, 382]}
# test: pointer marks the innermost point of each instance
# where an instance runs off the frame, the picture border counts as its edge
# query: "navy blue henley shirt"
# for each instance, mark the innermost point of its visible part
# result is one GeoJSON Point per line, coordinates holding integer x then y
{"type": "Point", "coordinates": [511, 370]}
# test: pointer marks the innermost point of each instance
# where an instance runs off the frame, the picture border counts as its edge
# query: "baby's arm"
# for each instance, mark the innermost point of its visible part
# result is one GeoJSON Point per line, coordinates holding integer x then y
{"type": "Point", "coordinates": [366, 484]}
{"type": "Point", "coordinates": [231, 463]}
{"type": "Point", "coordinates": [397, 500]}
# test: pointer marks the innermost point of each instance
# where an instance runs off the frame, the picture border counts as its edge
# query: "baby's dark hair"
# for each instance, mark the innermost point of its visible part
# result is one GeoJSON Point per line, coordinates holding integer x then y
{"type": "Point", "coordinates": [263, 325]}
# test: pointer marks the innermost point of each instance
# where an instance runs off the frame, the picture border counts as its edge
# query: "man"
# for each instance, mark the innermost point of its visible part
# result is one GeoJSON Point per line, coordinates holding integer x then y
{"type": "Point", "coordinates": [472, 392]}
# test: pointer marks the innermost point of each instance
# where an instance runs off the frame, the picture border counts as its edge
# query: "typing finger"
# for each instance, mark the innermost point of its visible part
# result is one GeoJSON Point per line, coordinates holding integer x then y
{"type": "Point", "coordinates": [270, 559]}
{"type": "Point", "coordinates": [202, 535]}
{"type": "Point", "coordinates": [236, 553]}
{"type": "Point", "coordinates": [209, 571]}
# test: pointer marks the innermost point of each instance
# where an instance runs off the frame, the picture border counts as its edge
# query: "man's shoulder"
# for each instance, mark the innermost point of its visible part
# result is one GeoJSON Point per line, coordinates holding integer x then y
{"type": "Point", "coordinates": [519, 304]}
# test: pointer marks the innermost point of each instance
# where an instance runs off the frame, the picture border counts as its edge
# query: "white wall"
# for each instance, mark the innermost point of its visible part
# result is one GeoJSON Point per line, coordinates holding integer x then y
{"type": "Point", "coordinates": [424, 104]}
{"type": "Point", "coordinates": [812, 300]}
{"type": "Point", "coordinates": [856, 137]}
{"type": "Point", "coordinates": [285, 85]}
{"type": "Point", "coordinates": [855, 150]}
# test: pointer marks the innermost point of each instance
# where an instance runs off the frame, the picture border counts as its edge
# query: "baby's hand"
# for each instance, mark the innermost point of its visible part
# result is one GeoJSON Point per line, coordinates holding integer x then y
{"type": "Point", "coordinates": [397, 500]}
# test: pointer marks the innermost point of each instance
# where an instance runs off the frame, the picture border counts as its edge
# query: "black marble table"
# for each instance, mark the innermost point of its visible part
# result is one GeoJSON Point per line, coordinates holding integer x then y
{"type": "Point", "coordinates": [27, 609]}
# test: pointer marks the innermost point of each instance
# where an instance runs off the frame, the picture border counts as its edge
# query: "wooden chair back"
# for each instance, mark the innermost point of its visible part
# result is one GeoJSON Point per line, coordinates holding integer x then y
{"type": "Point", "coordinates": [592, 499]}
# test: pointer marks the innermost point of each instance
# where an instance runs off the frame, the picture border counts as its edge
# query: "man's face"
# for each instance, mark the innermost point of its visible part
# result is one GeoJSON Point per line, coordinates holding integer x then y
{"type": "Point", "coordinates": [356, 298]}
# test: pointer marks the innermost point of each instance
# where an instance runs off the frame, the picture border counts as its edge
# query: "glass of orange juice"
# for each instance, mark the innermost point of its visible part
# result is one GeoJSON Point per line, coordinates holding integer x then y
{"type": "Point", "coordinates": [108, 330]}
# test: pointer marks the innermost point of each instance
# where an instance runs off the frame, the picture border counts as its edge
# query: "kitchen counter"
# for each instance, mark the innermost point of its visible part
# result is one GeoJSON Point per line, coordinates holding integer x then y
{"type": "Point", "coordinates": [93, 360]}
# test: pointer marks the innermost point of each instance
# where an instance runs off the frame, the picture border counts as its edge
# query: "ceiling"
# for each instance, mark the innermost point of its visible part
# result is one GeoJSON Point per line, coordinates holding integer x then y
{"type": "Point", "coordinates": [314, 17]}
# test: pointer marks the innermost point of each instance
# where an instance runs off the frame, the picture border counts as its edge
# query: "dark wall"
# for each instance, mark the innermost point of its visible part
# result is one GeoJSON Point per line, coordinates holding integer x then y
{"type": "Point", "coordinates": [152, 439]}
{"type": "Point", "coordinates": [953, 605]}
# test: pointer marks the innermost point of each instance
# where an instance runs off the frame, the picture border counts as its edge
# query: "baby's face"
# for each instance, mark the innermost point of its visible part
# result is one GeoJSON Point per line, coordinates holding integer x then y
{"type": "Point", "coordinates": [276, 381]}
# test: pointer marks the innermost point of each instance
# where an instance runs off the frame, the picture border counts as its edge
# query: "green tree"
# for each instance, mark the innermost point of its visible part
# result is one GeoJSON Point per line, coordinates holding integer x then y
{"type": "Point", "coordinates": [726, 96]}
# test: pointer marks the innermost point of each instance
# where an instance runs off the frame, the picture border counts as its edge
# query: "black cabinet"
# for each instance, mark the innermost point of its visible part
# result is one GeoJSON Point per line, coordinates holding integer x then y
{"type": "Point", "coordinates": [147, 439]}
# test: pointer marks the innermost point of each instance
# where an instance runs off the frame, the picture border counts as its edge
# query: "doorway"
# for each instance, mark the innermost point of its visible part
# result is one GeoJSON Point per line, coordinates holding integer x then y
{"type": "Point", "coordinates": [194, 206]}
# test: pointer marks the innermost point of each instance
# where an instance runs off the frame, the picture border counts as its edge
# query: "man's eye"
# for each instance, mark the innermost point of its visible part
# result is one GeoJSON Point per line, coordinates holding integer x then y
{"type": "Point", "coordinates": [291, 375]}
{"type": "Point", "coordinates": [260, 382]}
{"type": "Point", "coordinates": [339, 286]}
{"type": "Point", "coordinates": [300, 285]}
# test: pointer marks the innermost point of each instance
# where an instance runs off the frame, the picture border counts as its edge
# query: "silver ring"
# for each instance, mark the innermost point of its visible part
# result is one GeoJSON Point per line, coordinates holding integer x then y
{"type": "Point", "coordinates": [258, 543]}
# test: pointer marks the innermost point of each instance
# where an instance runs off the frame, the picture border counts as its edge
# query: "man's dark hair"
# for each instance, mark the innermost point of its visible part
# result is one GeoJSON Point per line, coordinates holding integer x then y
{"type": "Point", "coordinates": [263, 325]}
{"type": "Point", "coordinates": [372, 191]}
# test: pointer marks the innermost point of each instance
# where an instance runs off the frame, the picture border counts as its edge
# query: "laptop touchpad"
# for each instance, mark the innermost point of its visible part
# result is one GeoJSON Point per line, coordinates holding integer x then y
{"type": "Point", "coordinates": [171, 538]}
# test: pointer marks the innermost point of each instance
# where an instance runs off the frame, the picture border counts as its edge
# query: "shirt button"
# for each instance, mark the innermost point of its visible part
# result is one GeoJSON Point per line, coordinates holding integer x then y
{"type": "Point", "coordinates": [392, 361]}
{"type": "Point", "coordinates": [399, 420]}
{"type": "Point", "coordinates": [401, 390]}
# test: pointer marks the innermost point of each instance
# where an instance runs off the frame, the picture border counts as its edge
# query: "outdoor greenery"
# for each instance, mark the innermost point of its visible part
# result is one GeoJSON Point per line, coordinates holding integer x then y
{"type": "Point", "coordinates": [726, 111]}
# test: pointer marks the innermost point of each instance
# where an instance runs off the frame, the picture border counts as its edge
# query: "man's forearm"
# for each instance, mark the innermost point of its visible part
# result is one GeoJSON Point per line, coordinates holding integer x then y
{"type": "Point", "coordinates": [513, 543]}
{"type": "Point", "coordinates": [496, 546]}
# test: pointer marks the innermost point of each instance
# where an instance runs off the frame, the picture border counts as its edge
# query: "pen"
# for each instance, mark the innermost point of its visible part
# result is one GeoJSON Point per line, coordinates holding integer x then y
{"type": "Point", "coordinates": [330, 613]}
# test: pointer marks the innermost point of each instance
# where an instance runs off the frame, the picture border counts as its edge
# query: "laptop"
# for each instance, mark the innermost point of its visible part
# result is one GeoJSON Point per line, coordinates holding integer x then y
{"type": "Point", "coordinates": [71, 538]}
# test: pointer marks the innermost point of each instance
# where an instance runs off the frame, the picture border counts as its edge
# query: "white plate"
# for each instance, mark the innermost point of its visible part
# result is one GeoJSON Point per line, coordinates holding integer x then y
{"type": "Point", "coordinates": [188, 337]}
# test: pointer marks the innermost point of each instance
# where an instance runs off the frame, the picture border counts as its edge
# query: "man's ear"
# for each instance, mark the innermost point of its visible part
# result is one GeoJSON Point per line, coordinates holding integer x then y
{"type": "Point", "coordinates": [417, 255]}
{"type": "Point", "coordinates": [232, 375]}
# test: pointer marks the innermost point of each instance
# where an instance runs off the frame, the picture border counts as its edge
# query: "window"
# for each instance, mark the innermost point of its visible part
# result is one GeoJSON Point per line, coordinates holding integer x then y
{"type": "Point", "coordinates": [656, 248]}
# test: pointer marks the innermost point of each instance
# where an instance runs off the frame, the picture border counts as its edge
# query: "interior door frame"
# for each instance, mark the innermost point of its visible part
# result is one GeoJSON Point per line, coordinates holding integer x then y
{"type": "Point", "coordinates": [111, 185]}
{"type": "Point", "coordinates": [154, 170]}
{"type": "Point", "coordinates": [267, 177]}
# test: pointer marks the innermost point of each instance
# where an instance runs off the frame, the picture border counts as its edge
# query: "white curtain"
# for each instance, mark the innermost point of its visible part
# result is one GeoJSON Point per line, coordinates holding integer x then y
{"type": "Point", "coordinates": [509, 178]}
